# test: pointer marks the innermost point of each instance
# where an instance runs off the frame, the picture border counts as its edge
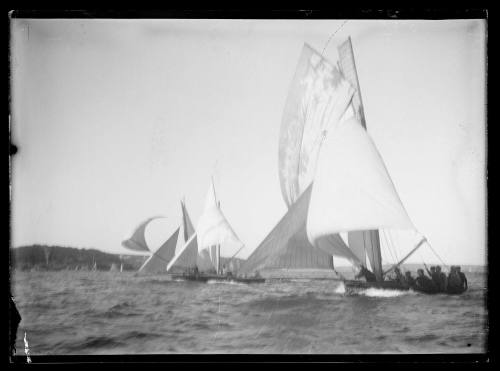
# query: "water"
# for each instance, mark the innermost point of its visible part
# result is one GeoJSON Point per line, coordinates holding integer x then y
{"type": "Point", "coordinates": [116, 313]}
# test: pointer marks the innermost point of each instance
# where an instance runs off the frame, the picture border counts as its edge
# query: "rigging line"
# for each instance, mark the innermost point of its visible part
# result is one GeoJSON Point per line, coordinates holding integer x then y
{"type": "Point", "coordinates": [392, 244]}
{"type": "Point", "coordinates": [435, 253]}
{"type": "Point", "coordinates": [328, 41]}
{"type": "Point", "coordinates": [387, 246]}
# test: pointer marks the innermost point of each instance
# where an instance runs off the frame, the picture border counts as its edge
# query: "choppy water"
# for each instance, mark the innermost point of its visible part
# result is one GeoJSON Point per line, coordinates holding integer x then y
{"type": "Point", "coordinates": [113, 313]}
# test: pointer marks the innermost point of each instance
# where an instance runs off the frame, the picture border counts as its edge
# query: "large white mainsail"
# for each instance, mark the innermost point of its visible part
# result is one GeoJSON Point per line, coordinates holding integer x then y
{"type": "Point", "coordinates": [215, 235]}
{"type": "Point", "coordinates": [137, 241]}
{"type": "Point", "coordinates": [352, 189]}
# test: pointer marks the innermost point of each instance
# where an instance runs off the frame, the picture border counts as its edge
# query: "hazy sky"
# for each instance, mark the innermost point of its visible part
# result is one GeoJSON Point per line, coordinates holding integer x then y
{"type": "Point", "coordinates": [117, 120]}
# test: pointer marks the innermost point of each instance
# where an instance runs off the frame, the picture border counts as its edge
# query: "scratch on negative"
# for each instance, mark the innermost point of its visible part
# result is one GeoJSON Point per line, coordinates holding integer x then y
{"type": "Point", "coordinates": [26, 348]}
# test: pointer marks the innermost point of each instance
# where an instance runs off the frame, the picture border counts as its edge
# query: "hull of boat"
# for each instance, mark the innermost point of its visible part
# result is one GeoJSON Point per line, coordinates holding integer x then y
{"type": "Point", "coordinates": [215, 277]}
{"type": "Point", "coordinates": [354, 286]}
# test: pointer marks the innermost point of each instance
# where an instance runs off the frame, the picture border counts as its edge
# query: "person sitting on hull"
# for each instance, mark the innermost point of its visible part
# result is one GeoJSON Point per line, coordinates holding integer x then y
{"type": "Point", "coordinates": [399, 276]}
{"type": "Point", "coordinates": [364, 272]}
{"type": "Point", "coordinates": [441, 279]}
{"type": "Point", "coordinates": [465, 285]}
{"type": "Point", "coordinates": [457, 283]}
{"type": "Point", "coordinates": [424, 283]}
{"type": "Point", "coordinates": [410, 281]}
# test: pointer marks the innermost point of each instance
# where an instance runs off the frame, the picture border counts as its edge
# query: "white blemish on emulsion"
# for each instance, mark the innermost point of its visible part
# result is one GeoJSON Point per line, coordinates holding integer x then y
{"type": "Point", "coordinates": [26, 348]}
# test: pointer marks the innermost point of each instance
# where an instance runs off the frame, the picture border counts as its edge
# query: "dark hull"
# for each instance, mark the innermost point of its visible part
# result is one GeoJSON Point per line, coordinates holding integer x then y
{"type": "Point", "coordinates": [354, 286]}
{"type": "Point", "coordinates": [212, 277]}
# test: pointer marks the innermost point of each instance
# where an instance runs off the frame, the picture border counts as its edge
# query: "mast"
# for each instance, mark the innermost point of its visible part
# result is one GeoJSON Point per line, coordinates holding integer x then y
{"type": "Point", "coordinates": [218, 245]}
{"type": "Point", "coordinates": [347, 65]}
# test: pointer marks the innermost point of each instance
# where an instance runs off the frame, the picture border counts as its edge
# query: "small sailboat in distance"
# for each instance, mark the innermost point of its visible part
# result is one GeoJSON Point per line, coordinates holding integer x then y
{"type": "Point", "coordinates": [213, 240]}
{"type": "Point", "coordinates": [158, 260]}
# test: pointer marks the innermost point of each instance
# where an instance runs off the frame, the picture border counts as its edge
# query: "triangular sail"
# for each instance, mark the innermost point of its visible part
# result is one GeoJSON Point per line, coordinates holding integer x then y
{"type": "Point", "coordinates": [188, 229]}
{"type": "Point", "coordinates": [286, 246]}
{"type": "Point", "coordinates": [186, 257]}
{"type": "Point", "coordinates": [213, 229]}
{"type": "Point", "coordinates": [137, 241]}
{"type": "Point", "coordinates": [348, 68]}
{"type": "Point", "coordinates": [158, 261]}
{"type": "Point", "coordinates": [352, 189]}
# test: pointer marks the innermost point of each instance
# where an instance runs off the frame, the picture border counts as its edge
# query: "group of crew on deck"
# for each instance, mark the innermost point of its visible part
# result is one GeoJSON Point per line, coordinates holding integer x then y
{"type": "Point", "coordinates": [436, 282]}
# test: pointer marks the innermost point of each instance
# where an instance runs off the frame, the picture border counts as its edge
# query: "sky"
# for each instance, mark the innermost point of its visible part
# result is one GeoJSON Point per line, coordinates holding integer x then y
{"type": "Point", "coordinates": [117, 120]}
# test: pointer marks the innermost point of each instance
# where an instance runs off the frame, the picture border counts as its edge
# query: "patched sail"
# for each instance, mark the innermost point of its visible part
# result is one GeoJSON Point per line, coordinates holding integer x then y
{"type": "Point", "coordinates": [318, 96]}
{"type": "Point", "coordinates": [213, 229]}
{"type": "Point", "coordinates": [158, 261]}
{"type": "Point", "coordinates": [352, 189]}
{"type": "Point", "coordinates": [137, 241]}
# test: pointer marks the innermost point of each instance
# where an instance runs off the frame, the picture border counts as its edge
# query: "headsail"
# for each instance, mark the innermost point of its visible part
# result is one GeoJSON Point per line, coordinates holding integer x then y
{"type": "Point", "coordinates": [188, 229]}
{"type": "Point", "coordinates": [186, 251]}
{"type": "Point", "coordinates": [186, 256]}
{"type": "Point", "coordinates": [158, 261]}
{"type": "Point", "coordinates": [137, 241]}
{"type": "Point", "coordinates": [287, 246]}
{"type": "Point", "coordinates": [352, 189]}
{"type": "Point", "coordinates": [213, 229]}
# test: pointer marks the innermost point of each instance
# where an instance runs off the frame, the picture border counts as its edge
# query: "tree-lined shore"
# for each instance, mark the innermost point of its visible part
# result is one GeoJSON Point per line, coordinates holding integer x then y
{"type": "Point", "coordinates": [45, 257]}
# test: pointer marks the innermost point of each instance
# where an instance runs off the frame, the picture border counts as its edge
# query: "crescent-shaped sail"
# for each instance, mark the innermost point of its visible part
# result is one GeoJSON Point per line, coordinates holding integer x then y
{"type": "Point", "coordinates": [137, 241]}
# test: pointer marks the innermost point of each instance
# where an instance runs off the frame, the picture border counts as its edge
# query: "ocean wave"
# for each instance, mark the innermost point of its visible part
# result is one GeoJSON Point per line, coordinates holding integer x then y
{"type": "Point", "coordinates": [93, 342]}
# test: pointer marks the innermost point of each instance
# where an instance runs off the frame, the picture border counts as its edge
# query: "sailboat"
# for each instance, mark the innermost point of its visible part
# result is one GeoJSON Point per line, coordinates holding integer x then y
{"type": "Point", "coordinates": [339, 194]}
{"type": "Point", "coordinates": [158, 260]}
{"type": "Point", "coordinates": [214, 239]}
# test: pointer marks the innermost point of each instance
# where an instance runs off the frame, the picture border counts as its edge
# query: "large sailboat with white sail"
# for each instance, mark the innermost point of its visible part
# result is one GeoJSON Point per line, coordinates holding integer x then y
{"type": "Point", "coordinates": [339, 194]}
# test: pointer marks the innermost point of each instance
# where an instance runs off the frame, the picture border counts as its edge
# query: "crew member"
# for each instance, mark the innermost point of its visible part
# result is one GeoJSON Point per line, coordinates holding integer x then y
{"type": "Point", "coordinates": [424, 283]}
{"type": "Point", "coordinates": [364, 272]}
{"type": "Point", "coordinates": [441, 279]}
{"type": "Point", "coordinates": [410, 281]}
